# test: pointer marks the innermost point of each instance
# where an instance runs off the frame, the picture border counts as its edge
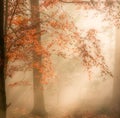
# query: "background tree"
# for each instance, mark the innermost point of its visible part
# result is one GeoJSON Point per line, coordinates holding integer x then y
{"type": "Point", "coordinates": [39, 105]}
{"type": "Point", "coordinates": [116, 93]}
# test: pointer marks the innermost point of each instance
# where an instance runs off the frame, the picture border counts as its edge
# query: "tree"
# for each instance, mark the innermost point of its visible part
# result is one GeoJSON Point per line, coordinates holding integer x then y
{"type": "Point", "coordinates": [39, 105]}
{"type": "Point", "coordinates": [2, 64]}
{"type": "Point", "coordinates": [116, 88]}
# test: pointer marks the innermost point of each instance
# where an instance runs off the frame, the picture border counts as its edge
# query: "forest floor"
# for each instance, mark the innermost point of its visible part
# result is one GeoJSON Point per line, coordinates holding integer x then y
{"type": "Point", "coordinates": [79, 115]}
{"type": "Point", "coordinates": [105, 112]}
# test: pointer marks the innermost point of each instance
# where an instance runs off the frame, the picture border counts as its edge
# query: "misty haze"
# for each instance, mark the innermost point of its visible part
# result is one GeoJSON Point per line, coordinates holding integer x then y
{"type": "Point", "coordinates": [62, 59]}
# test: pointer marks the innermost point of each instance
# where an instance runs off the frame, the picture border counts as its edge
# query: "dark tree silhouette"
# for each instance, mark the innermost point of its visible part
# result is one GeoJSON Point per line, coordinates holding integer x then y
{"type": "Point", "coordinates": [2, 59]}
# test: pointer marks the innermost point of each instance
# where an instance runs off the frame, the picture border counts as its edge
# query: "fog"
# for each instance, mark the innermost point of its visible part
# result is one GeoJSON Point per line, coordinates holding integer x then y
{"type": "Point", "coordinates": [71, 91]}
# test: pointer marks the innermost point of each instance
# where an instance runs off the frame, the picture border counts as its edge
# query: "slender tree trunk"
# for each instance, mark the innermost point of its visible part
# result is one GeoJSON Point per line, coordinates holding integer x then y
{"type": "Point", "coordinates": [116, 94]}
{"type": "Point", "coordinates": [2, 58]}
{"type": "Point", "coordinates": [39, 106]}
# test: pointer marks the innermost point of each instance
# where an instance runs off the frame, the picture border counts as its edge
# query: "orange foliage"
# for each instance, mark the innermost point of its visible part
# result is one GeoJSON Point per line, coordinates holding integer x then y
{"type": "Point", "coordinates": [22, 39]}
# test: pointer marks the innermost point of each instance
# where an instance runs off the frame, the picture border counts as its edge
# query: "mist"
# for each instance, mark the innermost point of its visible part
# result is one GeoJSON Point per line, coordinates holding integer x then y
{"type": "Point", "coordinates": [71, 93]}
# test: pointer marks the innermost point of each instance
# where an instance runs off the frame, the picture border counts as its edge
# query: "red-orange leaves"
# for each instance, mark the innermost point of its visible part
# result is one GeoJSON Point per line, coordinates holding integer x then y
{"type": "Point", "coordinates": [62, 16]}
{"type": "Point", "coordinates": [32, 39]}
{"type": "Point", "coordinates": [49, 2]}
{"type": "Point", "coordinates": [20, 83]}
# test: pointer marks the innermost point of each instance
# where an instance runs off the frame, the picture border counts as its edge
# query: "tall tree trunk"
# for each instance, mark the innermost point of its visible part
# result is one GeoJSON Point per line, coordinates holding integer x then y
{"type": "Point", "coordinates": [2, 58]}
{"type": "Point", "coordinates": [116, 91]}
{"type": "Point", "coordinates": [39, 106]}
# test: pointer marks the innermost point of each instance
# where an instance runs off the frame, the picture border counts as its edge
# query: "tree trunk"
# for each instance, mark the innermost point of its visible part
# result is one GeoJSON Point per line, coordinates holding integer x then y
{"type": "Point", "coordinates": [39, 106]}
{"type": "Point", "coordinates": [116, 94]}
{"type": "Point", "coordinates": [2, 58]}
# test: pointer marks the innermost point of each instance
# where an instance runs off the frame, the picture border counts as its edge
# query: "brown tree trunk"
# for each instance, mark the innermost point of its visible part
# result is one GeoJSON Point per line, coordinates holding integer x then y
{"type": "Point", "coordinates": [39, 106]}
{"type": "Point", "coordinates": [2, 58]}
{"type": "Point", "coordinates": [116, 94]}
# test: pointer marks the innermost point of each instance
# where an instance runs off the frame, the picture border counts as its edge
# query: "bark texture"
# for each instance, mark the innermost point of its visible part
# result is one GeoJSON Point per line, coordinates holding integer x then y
{"type": "Point", "coordinates": [2, 59]}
